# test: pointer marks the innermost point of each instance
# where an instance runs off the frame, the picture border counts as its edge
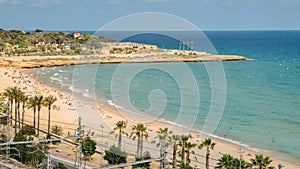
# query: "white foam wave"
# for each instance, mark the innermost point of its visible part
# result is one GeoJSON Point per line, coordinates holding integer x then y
{"type": "Point", "coordinates": [110, 102]}
{"type": "Point", "coordinates": [56, 79]}
{"type": "Point", "coordinates": [73, 89]}
{"type": "Point", "coordinates": [215, 136]}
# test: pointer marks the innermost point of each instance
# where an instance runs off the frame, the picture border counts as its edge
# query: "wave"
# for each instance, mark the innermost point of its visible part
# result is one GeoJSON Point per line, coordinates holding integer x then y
{"type": "Point", "coordinates": [73, 89]}
{"type": "Point", "coordinates": [56, 79]}
{"type": "Point", "coordinates": [246, 146]}
{"type": "Point", "coordinates": [62, 71]}
{"type": "Point", "coordinates": [110, 102]}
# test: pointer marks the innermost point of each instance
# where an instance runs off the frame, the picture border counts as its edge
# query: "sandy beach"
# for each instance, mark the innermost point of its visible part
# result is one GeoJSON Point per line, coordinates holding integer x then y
{"type": "Point", "coordinates": [68, 108]}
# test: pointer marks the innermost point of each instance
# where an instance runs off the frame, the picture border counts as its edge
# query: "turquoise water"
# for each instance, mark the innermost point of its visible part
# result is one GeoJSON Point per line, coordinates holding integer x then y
{"type": "Point", "coordinates": [262, 98]}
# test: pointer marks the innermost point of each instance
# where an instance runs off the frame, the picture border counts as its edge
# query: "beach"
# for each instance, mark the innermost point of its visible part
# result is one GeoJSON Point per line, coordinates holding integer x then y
{"type": "Point", "coordinates": [68, 108]}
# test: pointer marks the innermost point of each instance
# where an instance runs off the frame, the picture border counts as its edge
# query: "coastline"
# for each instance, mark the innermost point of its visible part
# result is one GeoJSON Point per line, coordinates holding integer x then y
{"type": "Point", "coordinates": [49, 61]}
{"type": "Point", "coordinates": [112, 116]}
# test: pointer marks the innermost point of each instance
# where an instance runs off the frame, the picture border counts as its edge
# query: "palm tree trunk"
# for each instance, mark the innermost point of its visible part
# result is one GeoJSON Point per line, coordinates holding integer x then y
{"type": "Point", "coordinates": [174, 156]}
{"type": "Point", "coordinates": [141, 153]}
{"type": "Point", "coordinates": [49, 109]}
{"type": "Point", "coordinates": [120, 140]}
{"type": "Point", "coordinates": [23, 114]}
{"type": "Point", "coordinates": [16, 116]}
{"type": "Point", "coordinates": [19, 120]}
{"type": "Point", "coordinates": [34, 114]}
{"type": "Point", "coordinates": [207, 161]}
{"type": "Point", "coordinates": [138, 147]}
{"type": "Point", "coordinates": [11, 109]}
{"type": "Point", "coordinates": [187, 159]}
{"type": "Point", "coordinates": [182, 154]}
{"type": "Point", "coordinates": [38, 124]}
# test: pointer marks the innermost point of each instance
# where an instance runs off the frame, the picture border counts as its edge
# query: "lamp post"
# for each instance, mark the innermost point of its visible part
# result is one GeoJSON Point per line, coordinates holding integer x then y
{"type": "Point", "coordinates": [43, 151]}
{"type": "Point", "coordinates": [240, 151]}
{"type": "Point", "coordinates": [280, 166]}
{"type": "Point", "coordinates": [102, 127]}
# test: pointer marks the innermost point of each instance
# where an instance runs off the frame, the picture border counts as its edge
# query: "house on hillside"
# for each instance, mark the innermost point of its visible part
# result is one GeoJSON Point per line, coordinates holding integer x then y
{"type": "Point", "coordinates": [77, 35]}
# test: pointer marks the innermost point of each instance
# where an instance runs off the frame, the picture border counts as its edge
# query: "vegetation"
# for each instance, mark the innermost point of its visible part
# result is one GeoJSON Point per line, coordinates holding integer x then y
{"type": "Point", "coordinates": [57, 130]}
{"type": "Point", "coordinates": [27, 154]}
{"type": "Point", "coordinates": [120, 126]}
{"type": "Point", "coordinates": [145, 156]}
{"type": "Point", "coordinates": [181, 145]}
{"type": "Point", "coordinates": [174, 142]}
{"type": "Point", "coordinates": [15, 42]}
{"type": "Point", "coordinates": [115, 156]}
{"type": "Point", "coordinates": [88, 147]}
{"type": "Point", "coordinates": [59, 166]}
{"type": "Point", "coordinates": [27, 130]}
{"type": "Point", "coordinates": [139, 131]}
{"type": "Point", "coordinates": [48, 102]}
{"type": "Point", "coordinates": [261, 162]}
{"type": "Point", "coordinates": [209, 146]}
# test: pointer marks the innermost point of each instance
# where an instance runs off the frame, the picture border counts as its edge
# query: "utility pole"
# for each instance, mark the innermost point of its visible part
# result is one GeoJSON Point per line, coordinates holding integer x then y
{"type": "Point", "coordinates": [48, 159]}
{"type": "Point", "coordinates": [79, 136]}
{"type": "Point", "coordinates": [163, 162]}
{"type": "Point", "coordinates": [8, 131]}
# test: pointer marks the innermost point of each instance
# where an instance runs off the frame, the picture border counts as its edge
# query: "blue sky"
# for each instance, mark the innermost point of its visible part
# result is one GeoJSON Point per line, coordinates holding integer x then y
{"type": "Point", "coordinates": [205, 14]}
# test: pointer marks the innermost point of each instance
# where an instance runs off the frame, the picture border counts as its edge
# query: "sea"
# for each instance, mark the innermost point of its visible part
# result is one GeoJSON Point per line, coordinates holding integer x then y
{"type": "Point", "coordinates": [259, 104]}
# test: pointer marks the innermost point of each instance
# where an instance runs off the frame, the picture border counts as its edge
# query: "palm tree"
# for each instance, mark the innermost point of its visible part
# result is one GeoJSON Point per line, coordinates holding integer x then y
{"type": "Point", "coordinates": [120, 126]}
{"type": "Point", "coordinates": [16, 94]}
{"type": "Point", "coordinates": [139, 132]}
{"type": "Point", "coordinates": [144, 134]}
{"type": "Point", "coordinates": [18, 97]}
{"type": "Point", "coordinates": [9, 95]}
{"type": "Point", "coordinates": [48, 102]}
{"type": "Point", "coordinates": [162, 135]}
{"type": "Point", "coordinates": [173, 140]}
{"type": "Point", "coordinates": [31, 104]}
{"type": "Point", "coordinates": [209, 146]}
{"type": "Point", "coordinates": [225, 162]}
{"type": "Point", "coordinates": [39, 104]}
{"type": "Point", "coordinates": [240, 163]}
{"type": "Point", "coordinates": [261, 162]}
{"type": "Point", "coordinates": [188, 149]}
{"type": "Point", "coordinates": [182, 143]}
{"type": "Point", "coordinates": [24, 100]}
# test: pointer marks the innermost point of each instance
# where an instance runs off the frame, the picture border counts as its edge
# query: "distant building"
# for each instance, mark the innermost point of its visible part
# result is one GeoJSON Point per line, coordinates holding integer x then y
{"type": "Point", "coordinates": [77, 35]}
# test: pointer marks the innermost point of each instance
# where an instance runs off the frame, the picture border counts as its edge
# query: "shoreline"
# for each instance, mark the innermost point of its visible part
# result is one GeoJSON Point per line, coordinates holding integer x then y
{"type": "Point", "coordinates": [222, 146]}
{"type": "Point", "coordinates": [50, 61]}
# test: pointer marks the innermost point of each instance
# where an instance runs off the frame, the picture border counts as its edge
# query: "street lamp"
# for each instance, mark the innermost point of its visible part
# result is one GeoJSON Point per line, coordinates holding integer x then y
{"type": "Point", "coordinates": [43, 151]}
{"type": "Point", "coordinates": [102, 127]}
{"type": "Point", "coordinates": [280, 166]}
{"type": "Point", "coordinates": [240, 151]}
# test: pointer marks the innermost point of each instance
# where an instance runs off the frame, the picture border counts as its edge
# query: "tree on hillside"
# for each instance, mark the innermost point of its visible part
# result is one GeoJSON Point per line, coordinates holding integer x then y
{"type": "Point", "coordinates": [38, 30]}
